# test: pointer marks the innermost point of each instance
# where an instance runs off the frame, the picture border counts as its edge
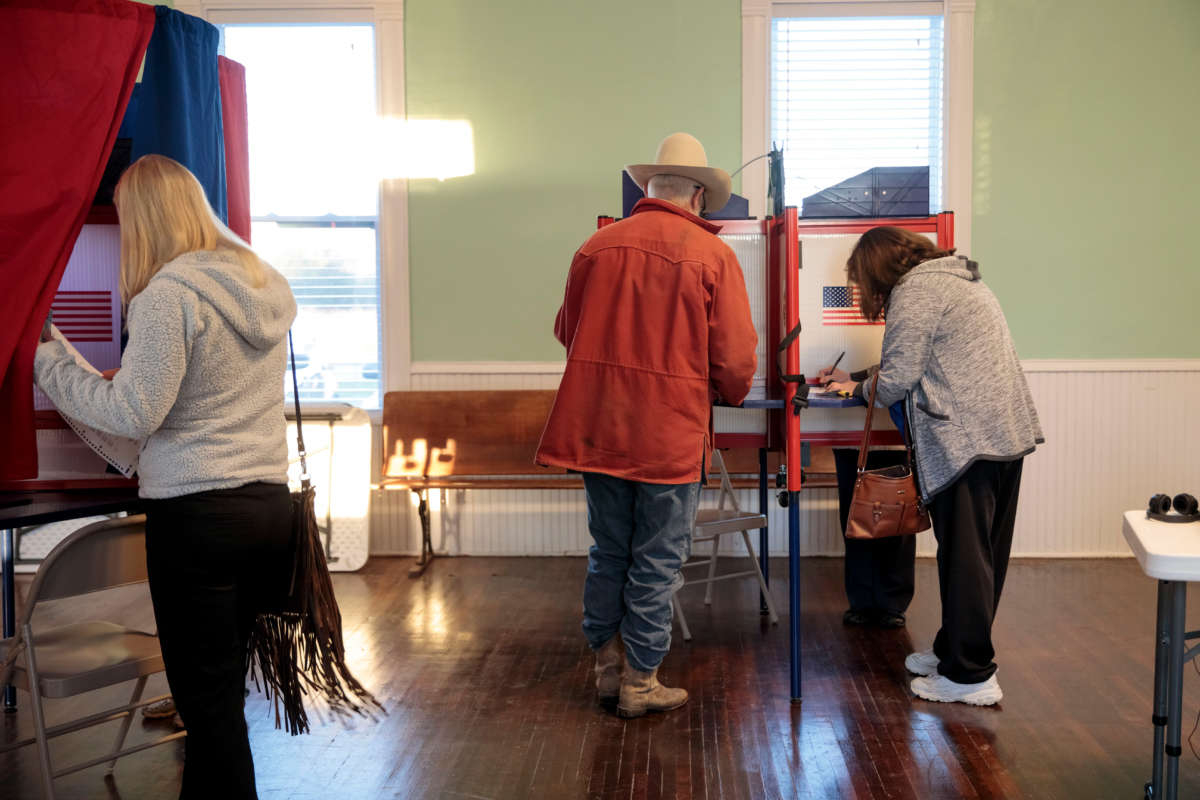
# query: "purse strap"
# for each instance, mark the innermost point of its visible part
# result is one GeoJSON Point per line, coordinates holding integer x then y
{"type": "Point", "coordinates": [304, 481]}
{"type": "Point", "coordinates": [866, 441]}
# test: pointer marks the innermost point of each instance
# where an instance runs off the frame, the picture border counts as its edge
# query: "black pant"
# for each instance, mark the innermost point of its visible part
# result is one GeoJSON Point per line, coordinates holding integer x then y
{"type": "Point", "coordinates": [213, 557]}
{"type": "Point", "coordinates": [973, 521]}
{"type": "Point", "coordinates": [880, 572]}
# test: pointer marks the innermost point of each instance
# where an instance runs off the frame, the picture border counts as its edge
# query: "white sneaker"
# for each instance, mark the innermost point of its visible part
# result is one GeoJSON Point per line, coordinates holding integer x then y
{"type": "Point", "coordinates": [941, 689]}
{"type": "Point", "coordinates": [922, 663]}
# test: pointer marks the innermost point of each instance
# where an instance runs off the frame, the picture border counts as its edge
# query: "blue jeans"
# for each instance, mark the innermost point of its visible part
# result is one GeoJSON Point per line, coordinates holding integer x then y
{"type": "Point", "coordinates": [642, 534]}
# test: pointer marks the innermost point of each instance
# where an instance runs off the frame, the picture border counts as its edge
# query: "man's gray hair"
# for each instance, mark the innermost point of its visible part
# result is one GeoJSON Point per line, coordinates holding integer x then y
{"type": "Point", "coordinates": [672, 188]}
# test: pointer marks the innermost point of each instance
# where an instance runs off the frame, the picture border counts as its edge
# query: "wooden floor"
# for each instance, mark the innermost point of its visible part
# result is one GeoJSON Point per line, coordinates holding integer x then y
{"type": "Point", "coordinates": [486, 678]}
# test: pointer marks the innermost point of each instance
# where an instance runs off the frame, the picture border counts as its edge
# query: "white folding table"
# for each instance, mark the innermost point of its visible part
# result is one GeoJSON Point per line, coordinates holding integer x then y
{"type": "Point", "coordinates": [1169, 552]}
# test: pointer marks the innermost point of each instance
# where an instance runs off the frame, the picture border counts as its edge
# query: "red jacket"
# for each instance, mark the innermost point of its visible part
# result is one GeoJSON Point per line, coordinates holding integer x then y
{"type": "Point", "coordinates": [656, 323]}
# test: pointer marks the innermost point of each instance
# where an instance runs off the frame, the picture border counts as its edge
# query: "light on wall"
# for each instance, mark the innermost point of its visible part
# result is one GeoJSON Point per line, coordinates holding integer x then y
{"type": "Point", "coordinates": [426, 148]}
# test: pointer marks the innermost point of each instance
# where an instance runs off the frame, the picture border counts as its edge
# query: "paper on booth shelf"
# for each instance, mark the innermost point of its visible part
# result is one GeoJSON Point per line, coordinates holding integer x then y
{"type": "Point", "coordinates": [119, 451]}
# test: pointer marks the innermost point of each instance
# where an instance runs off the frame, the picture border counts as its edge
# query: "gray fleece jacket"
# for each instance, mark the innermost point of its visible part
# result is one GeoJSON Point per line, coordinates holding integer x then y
{"type": "Point", "coordinates": [201, 378]}
{"type": "Point", "coordinates": [947, 348]}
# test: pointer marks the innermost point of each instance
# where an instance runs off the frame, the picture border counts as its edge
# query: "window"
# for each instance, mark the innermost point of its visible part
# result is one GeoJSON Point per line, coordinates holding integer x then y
{"type": "Point", "coordinates": [314, 193]}
{"type": "Point", "coordinates": [852, 93]}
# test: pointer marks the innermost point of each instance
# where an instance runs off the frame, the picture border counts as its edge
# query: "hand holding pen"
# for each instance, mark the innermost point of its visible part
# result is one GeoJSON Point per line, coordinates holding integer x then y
{"type": "Point", "coordinates": [832, 374]}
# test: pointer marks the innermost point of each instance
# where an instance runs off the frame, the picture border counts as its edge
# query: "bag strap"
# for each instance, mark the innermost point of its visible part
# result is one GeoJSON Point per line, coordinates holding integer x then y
{"type": "Point", "coordinates": [866, 441]}
{"type": "Point", "coordinates": [800, 399]}
{"type": "Point", "coordinates": [304, 482]}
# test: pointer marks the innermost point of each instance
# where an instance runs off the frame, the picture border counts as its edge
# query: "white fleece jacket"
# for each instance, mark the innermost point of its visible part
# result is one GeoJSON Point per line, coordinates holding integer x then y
{"type": "Point", "coordinates": [201, 378]}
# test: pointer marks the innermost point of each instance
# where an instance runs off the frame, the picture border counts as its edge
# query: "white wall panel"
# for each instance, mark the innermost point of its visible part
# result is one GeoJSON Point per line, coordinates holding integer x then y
{"type": "Point", "coordinates": [1116, 432]}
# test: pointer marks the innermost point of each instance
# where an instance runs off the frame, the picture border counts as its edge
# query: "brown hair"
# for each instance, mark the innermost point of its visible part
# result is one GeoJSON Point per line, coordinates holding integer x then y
{"type": "Point", "coordinates": [881, 258]}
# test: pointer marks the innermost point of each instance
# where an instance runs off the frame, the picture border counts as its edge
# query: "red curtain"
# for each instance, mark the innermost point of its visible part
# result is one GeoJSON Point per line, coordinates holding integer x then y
{"type": "Point", "coordinates": [67, 68]}
{"type": "Point", "coordinates": [232, 76]}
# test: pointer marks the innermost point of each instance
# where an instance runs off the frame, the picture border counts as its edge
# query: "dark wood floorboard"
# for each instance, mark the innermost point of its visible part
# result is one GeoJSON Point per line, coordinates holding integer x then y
{"type": "Point", "coordinates": [486, 678]}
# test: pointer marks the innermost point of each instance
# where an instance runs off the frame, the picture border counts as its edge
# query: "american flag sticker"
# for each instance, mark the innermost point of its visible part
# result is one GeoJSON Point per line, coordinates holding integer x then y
{"type": "Point", "coordinates": [840, 306]}
{"type": "Point", "coordinates": [84, 316]}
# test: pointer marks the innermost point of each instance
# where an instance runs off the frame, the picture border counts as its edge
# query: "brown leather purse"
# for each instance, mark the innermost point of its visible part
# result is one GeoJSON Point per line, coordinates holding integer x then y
{"type": "Point", "coordinates": [886, 501]}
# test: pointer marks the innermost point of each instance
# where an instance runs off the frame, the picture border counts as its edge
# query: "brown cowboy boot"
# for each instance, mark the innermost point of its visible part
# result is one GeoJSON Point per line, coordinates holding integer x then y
{"type": "Point", "coordinates": [641, 692]}
{"type": "Point", "coordinates": [608, 670]}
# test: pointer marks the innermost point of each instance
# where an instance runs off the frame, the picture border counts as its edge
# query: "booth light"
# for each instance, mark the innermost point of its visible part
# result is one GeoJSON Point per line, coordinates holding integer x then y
{"type": "Point", "coordinates": [426, 148]}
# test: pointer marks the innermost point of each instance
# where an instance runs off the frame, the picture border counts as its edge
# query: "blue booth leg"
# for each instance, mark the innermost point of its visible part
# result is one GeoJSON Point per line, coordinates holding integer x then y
{"type": "Point", "coordinates": [794, 589]}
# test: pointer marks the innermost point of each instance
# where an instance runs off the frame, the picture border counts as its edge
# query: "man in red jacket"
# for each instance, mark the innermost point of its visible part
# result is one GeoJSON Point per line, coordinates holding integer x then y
{"type": "Point", "coordinates": [657, 325]}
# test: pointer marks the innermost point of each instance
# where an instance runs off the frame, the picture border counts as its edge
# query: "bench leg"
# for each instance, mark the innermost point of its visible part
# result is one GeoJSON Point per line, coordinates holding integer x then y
{"type": "Point", "coordinates": [418, 569]}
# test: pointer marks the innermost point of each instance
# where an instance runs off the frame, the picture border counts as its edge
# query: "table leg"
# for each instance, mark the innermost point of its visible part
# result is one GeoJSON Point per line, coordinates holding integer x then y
{"type": "Point", "coordinates": [764, 562]}
{"type": "Point", "coordinates": [1162, 637]}
{"type": "Point", "coordinates": [794, 590]}
{"type": "Point", "coordinates": [1178, 602]}
{"type": "Point", "coordinates": [8, 589]}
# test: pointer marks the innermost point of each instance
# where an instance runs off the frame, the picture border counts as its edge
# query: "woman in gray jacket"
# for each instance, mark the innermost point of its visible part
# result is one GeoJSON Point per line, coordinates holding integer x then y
{"type": "Point", "coordinates": [948, 354]}
{"type": "Point", "coordinates": [201, 383]}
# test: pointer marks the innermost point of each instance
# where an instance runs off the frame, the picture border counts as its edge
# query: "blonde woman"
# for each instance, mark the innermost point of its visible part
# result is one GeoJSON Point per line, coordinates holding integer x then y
{"type": "Point", "coordinates": [201, 380]}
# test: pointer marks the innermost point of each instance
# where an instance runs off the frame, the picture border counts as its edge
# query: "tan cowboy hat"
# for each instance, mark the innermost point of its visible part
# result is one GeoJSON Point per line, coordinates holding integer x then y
{"type": "Point", "coordinates": [682, 154]}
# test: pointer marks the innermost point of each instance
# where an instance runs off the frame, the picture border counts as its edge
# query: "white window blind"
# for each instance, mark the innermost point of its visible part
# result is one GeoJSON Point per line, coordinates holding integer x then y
{"type": "Point", "coordinates": [849, 94]}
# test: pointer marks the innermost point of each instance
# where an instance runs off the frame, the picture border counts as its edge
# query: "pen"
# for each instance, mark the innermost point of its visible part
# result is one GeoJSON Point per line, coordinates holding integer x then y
{"type": "Point", "coordinates": [835, 363]}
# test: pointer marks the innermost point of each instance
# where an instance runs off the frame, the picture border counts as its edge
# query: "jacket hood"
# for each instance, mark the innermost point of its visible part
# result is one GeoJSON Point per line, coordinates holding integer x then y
{"type": "Point", "coordinates": [260, 315]}
{"type": "Point", "coordinates": [958, 266]}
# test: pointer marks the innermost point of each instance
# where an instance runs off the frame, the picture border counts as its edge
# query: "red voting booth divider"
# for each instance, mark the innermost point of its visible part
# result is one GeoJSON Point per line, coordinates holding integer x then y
{"type": "Point", "coordinates": [65, 84]}
{"type": "Point", "coordinates": [237, 145]}
{"type": "Point", "coordinates": [66, 72]}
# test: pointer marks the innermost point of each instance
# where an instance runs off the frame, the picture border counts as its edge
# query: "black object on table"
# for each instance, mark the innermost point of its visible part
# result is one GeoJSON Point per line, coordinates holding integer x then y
{"type": "Point", "coordinates": [19, 509]}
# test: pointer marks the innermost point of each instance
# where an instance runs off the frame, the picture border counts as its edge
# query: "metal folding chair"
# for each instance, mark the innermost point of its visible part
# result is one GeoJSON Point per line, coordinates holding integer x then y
{"type": "Point", "coordinates": [71, 659]}
{"type": "Point", "coordinates": [713, 523]}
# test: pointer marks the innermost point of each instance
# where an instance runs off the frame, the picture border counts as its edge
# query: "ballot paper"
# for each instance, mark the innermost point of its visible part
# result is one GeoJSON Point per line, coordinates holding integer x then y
{"type": "Point", "coordinates": [119, 451]}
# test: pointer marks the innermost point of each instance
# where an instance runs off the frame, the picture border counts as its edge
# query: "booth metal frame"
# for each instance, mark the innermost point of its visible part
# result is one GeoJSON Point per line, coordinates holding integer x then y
{"type": "Point", "coordinates": [784, 432]}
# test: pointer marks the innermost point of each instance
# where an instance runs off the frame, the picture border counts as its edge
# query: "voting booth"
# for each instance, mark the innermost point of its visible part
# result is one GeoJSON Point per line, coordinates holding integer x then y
{"type": "Point", "coordinates": [795, 272]}
{"type": "Point", "coordinates": [87, 311]}
{"type": "Point", "coordinates": [805, 315]}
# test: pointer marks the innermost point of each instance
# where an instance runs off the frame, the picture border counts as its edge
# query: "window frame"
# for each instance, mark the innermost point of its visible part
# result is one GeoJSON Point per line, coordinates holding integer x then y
{"type": "Point", "coordinates": [957, 99]}
{"type": "Point", "coordinates": [387, 17]}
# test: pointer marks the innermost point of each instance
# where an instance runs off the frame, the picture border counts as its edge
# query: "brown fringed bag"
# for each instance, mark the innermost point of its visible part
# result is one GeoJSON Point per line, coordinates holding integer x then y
{"type": "Point", "coordinates": [297, 645]}
{"type": "Point", "coordinates": [886, 501]}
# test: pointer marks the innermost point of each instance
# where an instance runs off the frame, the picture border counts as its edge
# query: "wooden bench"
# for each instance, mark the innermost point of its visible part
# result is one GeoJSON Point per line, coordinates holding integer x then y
{"type": "Point", "coordinates": [487, 440]}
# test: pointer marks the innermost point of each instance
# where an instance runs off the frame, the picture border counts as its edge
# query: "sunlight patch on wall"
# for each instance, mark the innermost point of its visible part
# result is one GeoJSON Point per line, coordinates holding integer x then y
{"type": "Point", "coordinates": [426, 148]}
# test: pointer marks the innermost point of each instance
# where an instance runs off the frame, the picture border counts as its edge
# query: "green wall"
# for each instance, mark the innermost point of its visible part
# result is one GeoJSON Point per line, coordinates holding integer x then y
{"type": "Point", "coordinates": [1086, 172]}
{"type": "Point", "coordinates": [561, 95]}
{"type": "Point", "coordinates": [1087, 175]}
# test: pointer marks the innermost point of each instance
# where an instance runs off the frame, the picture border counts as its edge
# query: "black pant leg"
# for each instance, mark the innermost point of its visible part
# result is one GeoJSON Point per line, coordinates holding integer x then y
{"type": "Point", "coordinates": [1007, 492]}
{"type": "Point", "coordinates": [972, 562]}
{"type": "Point", "coordinates": [880, 574]}
{"type": "Point", "coordinates": [895, 574]}
{"type": "Point", "coordinates": [198, 547]}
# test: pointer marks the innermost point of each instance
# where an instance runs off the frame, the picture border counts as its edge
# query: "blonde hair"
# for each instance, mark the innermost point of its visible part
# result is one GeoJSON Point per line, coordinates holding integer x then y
{"type": "Point", "coordinates": [164, 214]}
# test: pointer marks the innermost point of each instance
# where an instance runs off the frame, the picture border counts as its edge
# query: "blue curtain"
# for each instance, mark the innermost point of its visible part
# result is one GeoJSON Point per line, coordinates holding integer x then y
{"type": "Point", "coordinates": [176, 109]}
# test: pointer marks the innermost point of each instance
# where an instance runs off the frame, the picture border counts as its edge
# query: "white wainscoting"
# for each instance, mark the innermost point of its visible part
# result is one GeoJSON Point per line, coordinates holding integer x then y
{"type": "Point", "coordinates": [1116, 433]}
